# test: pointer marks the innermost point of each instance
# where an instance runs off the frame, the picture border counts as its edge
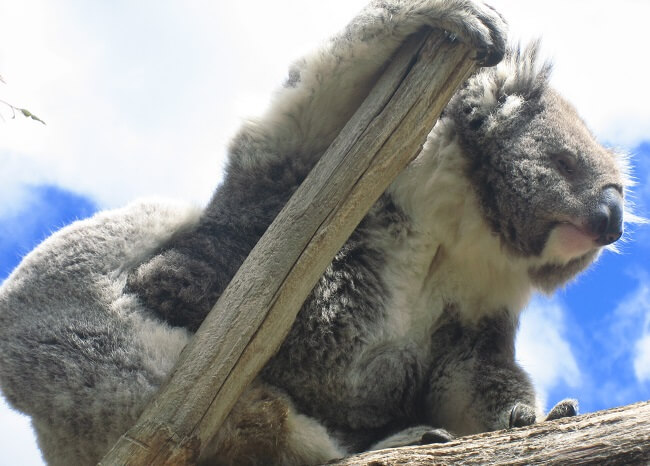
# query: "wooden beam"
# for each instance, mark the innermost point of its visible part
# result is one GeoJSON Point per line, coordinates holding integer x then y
{"type": "Point", "coordinates": [616, 436]}
{"type": "Point", "coordinates": [253, 316]}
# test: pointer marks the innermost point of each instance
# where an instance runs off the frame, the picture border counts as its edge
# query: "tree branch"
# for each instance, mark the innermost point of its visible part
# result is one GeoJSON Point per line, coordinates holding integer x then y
{"type": "Point", "coordinates": [616, 436]}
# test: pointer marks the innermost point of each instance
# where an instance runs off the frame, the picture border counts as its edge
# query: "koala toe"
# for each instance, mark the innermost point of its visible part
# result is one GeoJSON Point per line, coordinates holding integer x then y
{"type": "Point", "coordinates": [522, 415]}
{"type": "Point", "coordinates": [565, 408]}
{"type": "Point", "coordinates": [436, 436]}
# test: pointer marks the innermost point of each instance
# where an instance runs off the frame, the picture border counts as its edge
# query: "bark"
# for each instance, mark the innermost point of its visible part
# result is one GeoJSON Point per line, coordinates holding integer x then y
{"type": "Point", "coordinates": [256, 311]}
{"type": "Point", "coordinates": [618, 436]}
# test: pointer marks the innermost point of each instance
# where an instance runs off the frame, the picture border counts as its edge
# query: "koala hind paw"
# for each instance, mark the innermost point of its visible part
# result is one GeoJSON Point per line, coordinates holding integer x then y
{"type": "Point", "coordinates": [436, 436]}
{"type": "Point", "coordinates": [418, 435]}
{"type": "Point", "coordinates": [565, 408]}
{"type": "Point", "coordinates": [521, 415]}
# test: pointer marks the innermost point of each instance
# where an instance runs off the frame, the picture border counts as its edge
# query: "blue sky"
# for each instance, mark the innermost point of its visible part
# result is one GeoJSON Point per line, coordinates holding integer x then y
{"type": "Point", "coordinates": [605, 313]}
{"type": "Point", "coordinates": [47, 209]}
{"type": "Point", "coordinates": [140, 99]}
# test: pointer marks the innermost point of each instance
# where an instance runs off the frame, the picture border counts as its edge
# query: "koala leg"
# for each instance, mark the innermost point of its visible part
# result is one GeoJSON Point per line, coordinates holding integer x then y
{"type": "Point", "coordinates": [264, 428]}
{"type": "Point", "coordinates": [476, 385]}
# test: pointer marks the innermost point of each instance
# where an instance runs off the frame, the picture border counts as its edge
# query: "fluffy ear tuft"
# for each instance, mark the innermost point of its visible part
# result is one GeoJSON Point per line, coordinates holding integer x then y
{"type": "Point", "coordinates": [520, 78]}
{"type": "Point", "coordinates": [521, 73]}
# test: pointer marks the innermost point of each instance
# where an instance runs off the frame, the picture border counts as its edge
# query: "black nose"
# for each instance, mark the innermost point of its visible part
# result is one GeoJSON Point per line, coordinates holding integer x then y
{"type": "Point", "coordinates": [607, 220]}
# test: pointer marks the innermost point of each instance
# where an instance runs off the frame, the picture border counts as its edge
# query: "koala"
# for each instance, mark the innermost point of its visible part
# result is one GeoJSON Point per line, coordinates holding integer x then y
{"type": "Point", "coordinates": [408, 336]}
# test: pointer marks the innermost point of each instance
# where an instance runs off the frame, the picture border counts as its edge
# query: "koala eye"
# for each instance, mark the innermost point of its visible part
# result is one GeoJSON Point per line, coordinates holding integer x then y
{"type": "Point", "coordinates": [565, 163]}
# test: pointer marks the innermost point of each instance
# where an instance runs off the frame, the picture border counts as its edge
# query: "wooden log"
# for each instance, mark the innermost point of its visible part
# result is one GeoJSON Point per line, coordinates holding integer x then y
{"type": "Point", "coordinates": [254, 314]}
{"type": "Point", "coordinates": [618, 436]}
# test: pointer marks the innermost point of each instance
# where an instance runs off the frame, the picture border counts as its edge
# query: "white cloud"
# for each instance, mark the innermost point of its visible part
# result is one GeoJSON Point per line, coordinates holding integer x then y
{"type": "Point", "coordinates": [633, 325]}
{"type": "Point", "coordinates": [543, 349]}
{"type": "Point", "coordinates": [15, 176]}
{"type": "Point", "coordinates": [142, 101]}
{"type": "Point", "coordinates": [17, 439]}
{"type": "Point", "coordinates": [595, 46]}
{"type": "Point", "coordinates": [642, 358]}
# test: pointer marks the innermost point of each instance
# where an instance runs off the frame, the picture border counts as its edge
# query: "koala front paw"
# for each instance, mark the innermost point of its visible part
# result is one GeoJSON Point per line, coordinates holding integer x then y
{"type": "Point", "coordinates": [521, 415]}
{"type": "Point", "coordinates": [472, 22]}
{"type": "Point", "coordinates": [478, 25]}
{"type": "Point", "coordinates": [565, 408]}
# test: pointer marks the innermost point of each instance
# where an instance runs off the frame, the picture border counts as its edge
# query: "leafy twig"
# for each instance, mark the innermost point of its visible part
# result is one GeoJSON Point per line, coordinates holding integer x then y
{"type": "Point", "coordinates": [26, 113]}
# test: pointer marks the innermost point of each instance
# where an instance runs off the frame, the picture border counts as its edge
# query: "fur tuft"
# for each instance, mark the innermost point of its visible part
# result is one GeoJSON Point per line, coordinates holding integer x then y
{"type": "Point", "coordinates": [521, 72]}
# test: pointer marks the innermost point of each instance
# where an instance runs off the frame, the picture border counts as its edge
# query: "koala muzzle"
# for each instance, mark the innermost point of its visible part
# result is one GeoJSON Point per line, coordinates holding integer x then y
{"type": "Point", "coordinates": [606, 222]}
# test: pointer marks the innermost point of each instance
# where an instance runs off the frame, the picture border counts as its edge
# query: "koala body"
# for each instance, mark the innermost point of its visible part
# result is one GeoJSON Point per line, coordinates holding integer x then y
{"type": "Point", "coordinates": [410, 329]}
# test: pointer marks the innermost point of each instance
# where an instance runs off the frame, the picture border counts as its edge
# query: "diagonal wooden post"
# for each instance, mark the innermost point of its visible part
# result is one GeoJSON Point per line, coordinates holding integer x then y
{"type": "Point", "coordinates": [254, 314]}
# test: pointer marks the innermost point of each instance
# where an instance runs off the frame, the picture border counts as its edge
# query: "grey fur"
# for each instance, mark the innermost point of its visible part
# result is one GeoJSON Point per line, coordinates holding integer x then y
{"type": "Point", "coordinates": [412, 325]}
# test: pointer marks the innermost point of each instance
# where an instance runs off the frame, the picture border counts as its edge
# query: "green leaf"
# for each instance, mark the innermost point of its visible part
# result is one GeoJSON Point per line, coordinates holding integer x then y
{"type": "Point", "coordinates": [29, 114]}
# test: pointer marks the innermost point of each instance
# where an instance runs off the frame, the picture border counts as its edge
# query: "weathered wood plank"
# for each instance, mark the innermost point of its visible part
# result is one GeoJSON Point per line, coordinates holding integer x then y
{"type": "Point", "coordinates": [255, 312]}
{"type": "Point", "coordinates": [619, 436]}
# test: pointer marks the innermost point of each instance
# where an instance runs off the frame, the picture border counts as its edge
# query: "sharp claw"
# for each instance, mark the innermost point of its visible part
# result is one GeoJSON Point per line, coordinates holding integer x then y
{"type": "Point", "coordinates": [480, 56]}
{"type": "Point", "coordinates": [451, 36]}
{"type": "Point", "coordinates": [436, 436]}
{"type": "Point", "coordinates": [521, 415]}
{"type": "Point", "coordinates": [492, 59]}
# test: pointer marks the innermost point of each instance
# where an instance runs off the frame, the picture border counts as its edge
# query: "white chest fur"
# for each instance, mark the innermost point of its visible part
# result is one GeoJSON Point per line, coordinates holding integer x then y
{"type": "Point", "coordinates": [450, 255]}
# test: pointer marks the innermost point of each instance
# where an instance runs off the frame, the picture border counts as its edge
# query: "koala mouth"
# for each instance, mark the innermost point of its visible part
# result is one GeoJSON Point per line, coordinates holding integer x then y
{"type": "Point", "coordinates": [569, 241]}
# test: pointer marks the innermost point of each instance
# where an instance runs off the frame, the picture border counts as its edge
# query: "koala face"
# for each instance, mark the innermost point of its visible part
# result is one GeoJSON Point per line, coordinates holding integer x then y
{"type": "Point", "coordinates": [546, 186]}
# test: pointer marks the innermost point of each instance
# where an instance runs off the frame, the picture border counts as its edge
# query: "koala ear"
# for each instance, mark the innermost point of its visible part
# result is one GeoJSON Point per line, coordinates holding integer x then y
{"type": "Point", "coordinates": [521, 74]}
{"type": "Point", "coordinates": [494, 95]}
{"type": "Point", "coordinates": [498, 93]}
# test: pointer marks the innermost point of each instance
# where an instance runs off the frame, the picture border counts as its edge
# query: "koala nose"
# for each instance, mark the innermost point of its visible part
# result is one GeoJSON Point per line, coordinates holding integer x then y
{"type": "Point", "coordinates": [607, 220]}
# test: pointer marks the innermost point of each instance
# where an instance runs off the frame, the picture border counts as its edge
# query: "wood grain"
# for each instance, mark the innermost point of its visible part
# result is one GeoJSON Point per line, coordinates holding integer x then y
{"type": "Point", "coordinates": [619, 436]}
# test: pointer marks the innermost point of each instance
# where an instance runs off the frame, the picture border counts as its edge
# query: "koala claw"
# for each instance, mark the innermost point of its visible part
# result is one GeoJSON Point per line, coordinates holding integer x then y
{"type": "Point", "coordinates": [469, 21]}
{"type": "Point", "coordinates": [436, 436]}
{"type": "Point", "coordinates": [494, 55]}
{"type": "Point", "coordinates": [487, 33]}
{"type": "Point", "coordinates": [451, 37]}
{"type": "Point", "coordinates": [565, 408]}
{"type": "Point", "coordinates": [521, 415]}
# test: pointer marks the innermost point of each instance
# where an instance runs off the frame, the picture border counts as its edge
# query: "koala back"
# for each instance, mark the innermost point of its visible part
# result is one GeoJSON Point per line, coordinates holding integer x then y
{"type": "Point", "coordinates": [75, 348]}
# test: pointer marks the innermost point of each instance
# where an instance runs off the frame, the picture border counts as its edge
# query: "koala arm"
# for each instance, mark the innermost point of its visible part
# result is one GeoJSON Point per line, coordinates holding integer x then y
{"type": "Point", "coordinates": [272, 155]}
{"type": "Point", "coordinates": [326, 87]}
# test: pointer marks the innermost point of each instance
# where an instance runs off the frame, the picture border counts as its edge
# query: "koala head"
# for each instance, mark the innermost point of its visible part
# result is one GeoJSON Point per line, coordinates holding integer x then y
{"type": "Point", "coordinates": [547, 188]}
